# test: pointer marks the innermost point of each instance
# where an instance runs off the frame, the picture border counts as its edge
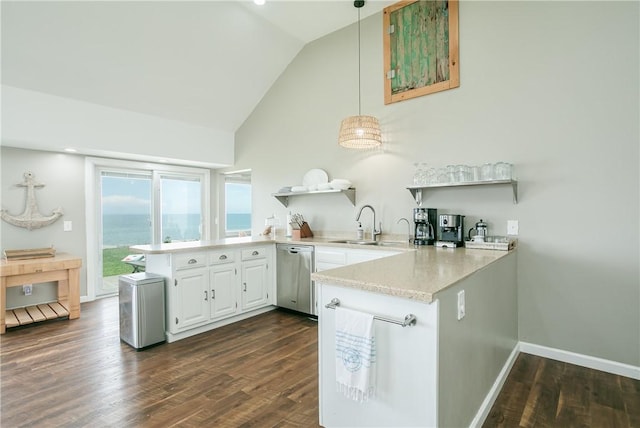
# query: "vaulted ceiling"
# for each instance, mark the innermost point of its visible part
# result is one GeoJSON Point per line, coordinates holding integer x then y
{"type": "Point", "coordinates": [206, 63]}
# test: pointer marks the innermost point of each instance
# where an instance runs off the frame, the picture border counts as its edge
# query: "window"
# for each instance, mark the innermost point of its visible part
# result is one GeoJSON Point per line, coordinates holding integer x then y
{"type": "Point", "coordinates": [237, 203]}
{"type": "Point", "coordinates": [133, 203]}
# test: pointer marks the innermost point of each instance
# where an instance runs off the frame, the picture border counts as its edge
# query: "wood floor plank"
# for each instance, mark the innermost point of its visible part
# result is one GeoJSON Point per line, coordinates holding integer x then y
{"type": "Point", "coordinates": [581, 397]}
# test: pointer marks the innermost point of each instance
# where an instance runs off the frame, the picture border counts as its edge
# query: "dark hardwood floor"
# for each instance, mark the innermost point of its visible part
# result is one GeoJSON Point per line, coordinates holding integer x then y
{"type": "Point", "coordinates": [260, 372]}
{"type": "Point", "coordinates": [546, 393]}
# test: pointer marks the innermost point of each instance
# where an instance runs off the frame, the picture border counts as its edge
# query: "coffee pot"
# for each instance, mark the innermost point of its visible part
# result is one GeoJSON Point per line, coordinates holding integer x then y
{"type": "Point", "coordinates": [481, 231]}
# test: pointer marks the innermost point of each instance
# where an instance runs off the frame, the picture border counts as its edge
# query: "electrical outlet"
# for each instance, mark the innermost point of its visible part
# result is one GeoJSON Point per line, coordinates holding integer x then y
{"type": "Point", "coordinates": [512, 227]}
{"type": "Point", "coordinates": [27, 289]}
{"type": "Point", "coordinates": [461, 305]}
{"type": "Point", "coordinates": [68, 226]}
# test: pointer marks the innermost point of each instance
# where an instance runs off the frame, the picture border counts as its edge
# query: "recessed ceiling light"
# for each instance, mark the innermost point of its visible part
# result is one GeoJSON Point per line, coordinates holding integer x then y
{"type": "Point", "coordinates": [70, 150]}
{"type": "Point", "coordinates": [259, 2]}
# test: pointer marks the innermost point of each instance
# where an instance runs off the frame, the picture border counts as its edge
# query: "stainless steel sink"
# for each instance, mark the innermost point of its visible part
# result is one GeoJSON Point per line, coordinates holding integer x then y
{"type": "Point", "coordinates": [365, 242]}
{"type": "Point", "coordinates": [392, 243]}
{"type": "Point", "coordinates": [356, 242]}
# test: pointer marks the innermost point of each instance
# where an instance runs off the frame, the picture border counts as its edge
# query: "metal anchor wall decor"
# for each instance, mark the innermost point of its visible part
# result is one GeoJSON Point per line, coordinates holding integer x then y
{"type": "Point", "coordinates": [31, 218]}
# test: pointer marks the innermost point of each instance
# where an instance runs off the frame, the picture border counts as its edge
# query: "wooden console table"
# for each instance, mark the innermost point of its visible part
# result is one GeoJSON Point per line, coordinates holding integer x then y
{"type": "Point", "coordinates": [63, 268]}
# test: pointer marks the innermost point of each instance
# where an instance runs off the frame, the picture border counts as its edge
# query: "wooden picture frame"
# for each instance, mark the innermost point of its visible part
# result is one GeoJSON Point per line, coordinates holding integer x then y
{"type": "Point", "coordinates": [420, 43]}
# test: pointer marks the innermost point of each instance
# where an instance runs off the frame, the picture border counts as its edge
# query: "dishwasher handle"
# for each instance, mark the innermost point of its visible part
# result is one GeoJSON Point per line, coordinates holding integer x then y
{"type": "Point", "coordinates": [295, 249]}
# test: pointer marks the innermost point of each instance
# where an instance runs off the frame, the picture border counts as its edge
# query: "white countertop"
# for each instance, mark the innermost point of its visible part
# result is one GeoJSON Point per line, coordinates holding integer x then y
{"type": "Point", "coordinates": [417, 273]}
{"type": "Point", "coordinates": [176, 247]}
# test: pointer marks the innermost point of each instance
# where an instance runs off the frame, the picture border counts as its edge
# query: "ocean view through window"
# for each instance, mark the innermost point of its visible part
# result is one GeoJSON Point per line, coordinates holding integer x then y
{"type": "Point", "coordinates": [237, 196]}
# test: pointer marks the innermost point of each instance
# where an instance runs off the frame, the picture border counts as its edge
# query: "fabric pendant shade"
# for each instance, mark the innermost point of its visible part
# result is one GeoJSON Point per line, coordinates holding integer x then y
{"type": "Point", "coordinates": [360, 132]}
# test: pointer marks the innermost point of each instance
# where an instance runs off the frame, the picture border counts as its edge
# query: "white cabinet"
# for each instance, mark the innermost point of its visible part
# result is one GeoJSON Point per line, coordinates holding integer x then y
{"type": "Point", "coordinates": [329, 257]}
{"type": "Point", "coordinates": [207, 289]}
{"type": "Point", "coordinates": [189, 293]}
{"type": "Point", "coordinates": [406, 363]}
{"type": "Point", "coordinates": [333, 257]}
{"type": "Point", "coordinates": [255, 278]}
{"type": "Point", "coordinates": [224, 284]}
{"type": "Point", "coordinates": [224, 290]}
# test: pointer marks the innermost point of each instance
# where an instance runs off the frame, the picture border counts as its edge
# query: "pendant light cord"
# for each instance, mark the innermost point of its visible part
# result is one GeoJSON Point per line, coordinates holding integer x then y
{"type": "Point", "coordinates": [359, 84]}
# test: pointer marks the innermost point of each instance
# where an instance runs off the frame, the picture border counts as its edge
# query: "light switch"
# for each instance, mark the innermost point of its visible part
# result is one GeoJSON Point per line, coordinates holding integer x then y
{"type": "Point", "coordinates": [68, 226]}
{"type": "Point", "coordinates": [512, 227]}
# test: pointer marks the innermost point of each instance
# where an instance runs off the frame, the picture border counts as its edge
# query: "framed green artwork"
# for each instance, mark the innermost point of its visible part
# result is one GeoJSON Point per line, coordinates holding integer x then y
{"type": "Point", "coordinates": [420, 48]}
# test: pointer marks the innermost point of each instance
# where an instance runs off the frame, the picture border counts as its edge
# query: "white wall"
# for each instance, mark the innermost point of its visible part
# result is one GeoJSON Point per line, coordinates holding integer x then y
{"type": "Point", "coordinates": [549, 86]}
{"type": "Point", "coordinates": [40, 121]}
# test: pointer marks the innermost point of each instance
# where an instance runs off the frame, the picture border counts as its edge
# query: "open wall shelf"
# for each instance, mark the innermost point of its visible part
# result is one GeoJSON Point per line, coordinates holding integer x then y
{"type": "Point", "coordinates": [284, 197]}
{"type": "Point", "coordinates": [417, 191]}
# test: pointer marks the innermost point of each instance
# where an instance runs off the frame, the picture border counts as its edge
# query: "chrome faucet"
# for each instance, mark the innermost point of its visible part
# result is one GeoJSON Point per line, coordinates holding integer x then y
{"type": "Point", "coordinates": [374, 232]}
{"type": "Point", "coordinates": [408, 227]}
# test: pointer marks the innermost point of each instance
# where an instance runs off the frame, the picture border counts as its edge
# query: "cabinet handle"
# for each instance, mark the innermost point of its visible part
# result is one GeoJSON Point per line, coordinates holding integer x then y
{"type": "Point", "coordinates": [223, 257]}
{"type": "Point", "coordinates": [192, 261]}
{"type": "Point", "coordinates": [255, 253]}
{"type": "Point", "coordinates": [176, 320]}
{"type": "Point", "coordinates": [206, 295]}
{"type": "Point", "coordinates": [245, 286]}
{"type": "Point", "coordinates": [213, 294]}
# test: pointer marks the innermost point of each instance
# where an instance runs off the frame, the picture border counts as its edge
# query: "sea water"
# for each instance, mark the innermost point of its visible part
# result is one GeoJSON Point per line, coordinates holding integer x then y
{"type": "Point", "coordinates": [120, 230]}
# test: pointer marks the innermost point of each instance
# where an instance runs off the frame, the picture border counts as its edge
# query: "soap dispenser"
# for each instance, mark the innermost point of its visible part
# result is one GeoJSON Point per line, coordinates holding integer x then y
{"type": "Point", "coordinates": [360, 232]}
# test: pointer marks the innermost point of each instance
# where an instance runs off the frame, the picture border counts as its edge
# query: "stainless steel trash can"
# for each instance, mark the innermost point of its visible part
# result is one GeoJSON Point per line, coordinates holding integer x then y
{"type": "Point", "coordinates": [141, 302]}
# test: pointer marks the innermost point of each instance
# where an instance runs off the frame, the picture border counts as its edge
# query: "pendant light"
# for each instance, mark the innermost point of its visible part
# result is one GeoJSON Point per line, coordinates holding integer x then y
{"type": "Point", "coordinates": [359, 132]}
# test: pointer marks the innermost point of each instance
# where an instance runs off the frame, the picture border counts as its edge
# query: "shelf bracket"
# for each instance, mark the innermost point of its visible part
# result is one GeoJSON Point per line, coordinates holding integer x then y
{"type": "Point", "coordinates": [284, 200]}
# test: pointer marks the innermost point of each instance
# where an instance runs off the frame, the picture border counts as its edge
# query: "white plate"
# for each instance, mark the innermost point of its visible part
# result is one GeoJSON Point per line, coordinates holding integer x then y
{"type": "Point", "coordinates": [315, 176]}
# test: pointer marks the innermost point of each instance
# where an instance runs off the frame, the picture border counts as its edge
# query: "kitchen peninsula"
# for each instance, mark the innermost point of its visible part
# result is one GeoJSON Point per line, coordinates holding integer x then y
{"type": "Point", "coordinates": [435, 373]}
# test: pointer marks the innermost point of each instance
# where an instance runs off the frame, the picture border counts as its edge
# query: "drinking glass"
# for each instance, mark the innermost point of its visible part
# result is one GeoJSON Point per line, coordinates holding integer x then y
{"type": "Point", "coordinates": [431, 176]}
{"type": "Point", "coordinates": [462, 173]}
{"type": "Point", "coordinates": [502, 171]}
{"type": "Point", "coordinates": [474, 173]}
{"type": "Point", "coordinates": [486, 172]}
{"type": "Point", "coordinates": [451, 173]}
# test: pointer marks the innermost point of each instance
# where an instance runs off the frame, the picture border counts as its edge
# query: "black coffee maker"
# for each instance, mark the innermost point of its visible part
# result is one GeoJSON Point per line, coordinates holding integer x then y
{"type": "Point", "coordinates": [424, 220]}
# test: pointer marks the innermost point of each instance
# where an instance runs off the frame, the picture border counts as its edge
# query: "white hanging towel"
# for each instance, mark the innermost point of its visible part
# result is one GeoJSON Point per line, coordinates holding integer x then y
{"type": "Point", "coordinates": [355, 354]}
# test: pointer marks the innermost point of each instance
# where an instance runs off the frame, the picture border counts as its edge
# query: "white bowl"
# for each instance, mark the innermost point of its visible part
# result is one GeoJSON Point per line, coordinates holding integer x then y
{"type": "Point", "coordinates": [340, 185]}
{"type": "Point", "coordinates": [341, 180]}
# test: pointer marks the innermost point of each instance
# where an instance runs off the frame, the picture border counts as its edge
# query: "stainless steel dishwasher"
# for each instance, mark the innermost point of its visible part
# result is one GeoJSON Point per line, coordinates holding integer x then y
{"type": "Point", "coordinates": [295, 289]}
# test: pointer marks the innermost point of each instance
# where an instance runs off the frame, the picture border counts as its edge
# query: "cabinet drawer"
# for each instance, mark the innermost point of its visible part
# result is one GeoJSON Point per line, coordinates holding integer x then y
{"type": "Point", "coordinates": [220, 257]}
{"type": "Point", "coordinates": [189, 261]}
{"type": "Point", "coordinates": [331, 256]}
{"type": "Point", "coordinates": [254, 253]}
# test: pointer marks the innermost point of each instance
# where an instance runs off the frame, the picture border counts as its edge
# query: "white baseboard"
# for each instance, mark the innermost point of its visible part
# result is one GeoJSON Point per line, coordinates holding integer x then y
{"type": "Point", "coordinates": [490, 399]}
{"type": "Point", "coordinates": [596, 363]}
{"type": "Point", "coordinates": [608, 366]}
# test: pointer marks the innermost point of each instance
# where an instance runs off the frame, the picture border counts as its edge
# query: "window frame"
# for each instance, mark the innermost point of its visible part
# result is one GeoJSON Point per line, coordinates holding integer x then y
{"type": "Point", "coordinates": [93, 173]}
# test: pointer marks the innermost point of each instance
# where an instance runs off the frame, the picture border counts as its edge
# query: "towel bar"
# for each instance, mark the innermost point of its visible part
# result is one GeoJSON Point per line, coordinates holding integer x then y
{"type": "Point", "coordinates": [408, 320]}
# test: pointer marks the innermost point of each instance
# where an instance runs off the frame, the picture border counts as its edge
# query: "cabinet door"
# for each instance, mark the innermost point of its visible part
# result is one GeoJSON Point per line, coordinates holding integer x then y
{"type": "Point", "coordinates": [224, 290]}
{"type": "Point", "coordinates": [254, 284]}
{"type": "Point", "coordinates": [192, 299]}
